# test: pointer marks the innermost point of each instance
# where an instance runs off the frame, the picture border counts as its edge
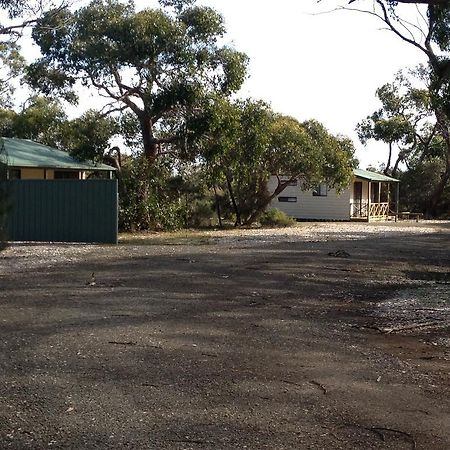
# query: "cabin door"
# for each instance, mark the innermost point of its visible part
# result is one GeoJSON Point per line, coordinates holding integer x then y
{"type": "Point", "coordinates": [357, 199]}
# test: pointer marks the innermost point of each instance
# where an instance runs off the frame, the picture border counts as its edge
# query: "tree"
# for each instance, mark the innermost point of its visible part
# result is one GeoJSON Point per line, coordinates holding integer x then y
{"type": "Point", "coordinates": [429, 33]}
{"type": "Point", "coordinates": [246, 143]}
{"type": "Point", "coordinates": [19, 16]}
{"type": "Point", "coordinates": [43, 120]}
{"type": "Point", "coordinates": [419, 2]}
{"type": "Point", "coordinates": [88, 138]}
{"type": "Point", "coordinates": [404, 120]}
{"type": "Point", "coordinates": [157, 63]}
{"type": "Point", "coordinates": [39, 119]}
{"type": "Point", "coordinates": [433, 40]}
{"type": "Point", "coordinates": [408, 119]}
{"type": "Point", "coordinates": [418, 183]}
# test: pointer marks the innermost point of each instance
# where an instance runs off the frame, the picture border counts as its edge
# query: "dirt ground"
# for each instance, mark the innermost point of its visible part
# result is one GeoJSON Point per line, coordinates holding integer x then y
{"type": "Point", "coordinates": [324, 336]}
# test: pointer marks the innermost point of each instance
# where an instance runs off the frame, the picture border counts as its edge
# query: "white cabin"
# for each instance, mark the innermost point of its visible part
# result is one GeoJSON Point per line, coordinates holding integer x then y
{"type": "Point", "coordinates": [368, 197]}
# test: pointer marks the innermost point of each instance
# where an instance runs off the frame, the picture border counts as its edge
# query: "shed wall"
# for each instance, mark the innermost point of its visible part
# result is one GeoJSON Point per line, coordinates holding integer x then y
{"type": "Point", "coordinates": [63, 210]}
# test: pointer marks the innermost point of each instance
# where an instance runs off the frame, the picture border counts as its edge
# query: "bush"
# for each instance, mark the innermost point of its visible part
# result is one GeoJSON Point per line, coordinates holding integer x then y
{"type": "Point", "coordinates": [276, 218]}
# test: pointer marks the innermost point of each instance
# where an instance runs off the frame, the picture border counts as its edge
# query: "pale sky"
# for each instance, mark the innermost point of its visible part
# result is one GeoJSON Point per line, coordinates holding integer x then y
{"type": "Point", "coordinates": [311, 65]}
{"type": "Point", "coordinates": [325, 67]}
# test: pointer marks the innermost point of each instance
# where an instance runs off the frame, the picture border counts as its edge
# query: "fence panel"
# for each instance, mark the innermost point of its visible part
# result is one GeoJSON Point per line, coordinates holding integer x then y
{"type": "Point", "coordinates": [62, 210]}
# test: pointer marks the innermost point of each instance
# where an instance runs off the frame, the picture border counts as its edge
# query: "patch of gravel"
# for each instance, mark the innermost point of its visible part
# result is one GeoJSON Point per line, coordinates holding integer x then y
{"type": "Point", "coordinates": [326, 231]}
{"type": "Point", "coordinates": [26, 256]}
{"type": "Point", "coordinates": [20, 256]}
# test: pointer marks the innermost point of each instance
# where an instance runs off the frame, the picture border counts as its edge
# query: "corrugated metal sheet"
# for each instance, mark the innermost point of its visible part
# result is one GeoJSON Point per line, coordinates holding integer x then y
{"type": "Point", "coordinates": [63, 210]}
{"type": "Point", "coordinates": [372, 176]}
{"type": "Point", "coordinates": [25, 153]}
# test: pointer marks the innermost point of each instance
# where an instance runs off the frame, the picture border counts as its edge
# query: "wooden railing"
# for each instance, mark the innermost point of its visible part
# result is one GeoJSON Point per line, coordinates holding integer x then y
{"type": "Point", "coordinates": [360, 210]}
{"type": "Point", "coordinates": [379, 209]}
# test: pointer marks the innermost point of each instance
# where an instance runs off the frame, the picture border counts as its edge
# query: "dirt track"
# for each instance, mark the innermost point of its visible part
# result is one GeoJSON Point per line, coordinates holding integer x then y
{"type": "Point", "coordinates": [230, 340]}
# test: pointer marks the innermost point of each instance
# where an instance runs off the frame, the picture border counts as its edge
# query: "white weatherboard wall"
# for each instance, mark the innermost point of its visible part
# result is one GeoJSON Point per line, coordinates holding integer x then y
{"type": "Point", "coordinates": [333, 206]}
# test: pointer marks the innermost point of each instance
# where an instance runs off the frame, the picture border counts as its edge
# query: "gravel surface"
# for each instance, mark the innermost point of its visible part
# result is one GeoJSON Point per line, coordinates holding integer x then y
{"type": "Point", "coordinates": [325, 335]}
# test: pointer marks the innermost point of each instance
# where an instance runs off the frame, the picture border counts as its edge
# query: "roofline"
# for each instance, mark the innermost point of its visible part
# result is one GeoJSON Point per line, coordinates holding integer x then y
{"type": "Point", "coordinates": [369, 178]}
{"type": "Point", "coordinates": [86, 169]}
{"type": "Point", "coordinates": [388, 179]}
{"type": "Point", "coordinates": [72, 164]}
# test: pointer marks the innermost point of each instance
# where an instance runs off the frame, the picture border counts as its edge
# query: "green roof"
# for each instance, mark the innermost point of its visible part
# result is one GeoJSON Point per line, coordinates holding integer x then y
{"type": "Point", "coordinates": [372, 176]}
{"type": "Point", "coordinates": [26, 153]}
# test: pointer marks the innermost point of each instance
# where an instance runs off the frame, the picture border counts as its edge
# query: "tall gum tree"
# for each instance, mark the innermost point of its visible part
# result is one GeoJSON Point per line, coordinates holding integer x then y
{"type": "Point", "coordinates": [157, 63]}
{"type": "Point", "coordinates": [429, 32]}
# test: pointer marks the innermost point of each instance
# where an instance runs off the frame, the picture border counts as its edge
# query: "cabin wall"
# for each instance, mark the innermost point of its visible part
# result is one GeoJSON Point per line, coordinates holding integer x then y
{"type": "Point", "coordinates": [28, 173]}
{"type": "Point", "coordinates": [32, 174]}
{"type": "Point", "coordinates": [306, 206]}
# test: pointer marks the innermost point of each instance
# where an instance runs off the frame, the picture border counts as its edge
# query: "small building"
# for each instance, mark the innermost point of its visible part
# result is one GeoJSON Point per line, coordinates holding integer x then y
{"type": "Point", "coordinates": [28, 160]}
{"type": "Point", "coordinates": [55, 197]}
{"type": "Point", "coordinates": [370, 196]}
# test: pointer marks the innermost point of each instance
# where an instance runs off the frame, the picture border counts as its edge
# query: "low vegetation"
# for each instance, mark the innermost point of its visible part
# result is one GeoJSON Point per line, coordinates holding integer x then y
{"type": "Point", "coordinates": [275, 218]}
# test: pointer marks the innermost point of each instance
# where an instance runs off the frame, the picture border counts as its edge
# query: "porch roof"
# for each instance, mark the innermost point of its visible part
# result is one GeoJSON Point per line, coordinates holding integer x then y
{"type": "Point", "coordinates": [26, 153]}
{"type": "Point", "coordinates": [373, 176]}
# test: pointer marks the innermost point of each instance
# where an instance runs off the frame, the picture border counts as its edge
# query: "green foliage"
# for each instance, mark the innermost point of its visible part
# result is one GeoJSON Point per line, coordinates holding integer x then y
{"type": "Point", "coordinates": [11, 65]}
{"type": "Point", "coordinates": [275, 218]}
{"type": "Point", "coordinates": [88, 136]}
{"type": "Point", "coordinates": [394, 122]}
{"type": "Point", "coordinates": [429, 33]}
{"type": "Point", "coordinates": [160, 65]}
{"type": "Point", "coordinates": [44, 120]}
{"type": "Point", "coordinates": [14, 8]}
{"type": "Point", "coordinates": [405, 120]}
{"type": "Point", "coordinates": [243, 143]}
{"type": "Point", "coordinates": [156, 197]}
{"type": "Point", "coordinates": [440, 16]}
{"type": "Point", "coordinates": [40, 119]}
{"type": "Point", "coordinates": [413, 120]}
{"type": "Point", "coordinates": [418, 184]}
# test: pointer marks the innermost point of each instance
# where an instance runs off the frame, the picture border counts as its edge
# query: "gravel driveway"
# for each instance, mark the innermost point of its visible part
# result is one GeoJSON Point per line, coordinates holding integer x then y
{"type": "Point", "coordinates": [323, 336]}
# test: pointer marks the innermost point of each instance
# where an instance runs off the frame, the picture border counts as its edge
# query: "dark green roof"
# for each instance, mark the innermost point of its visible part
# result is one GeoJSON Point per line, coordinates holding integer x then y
{"type": "Point", "coordinates": [372, 176]}
{"type": "Point", "coordinates": [26, 153]}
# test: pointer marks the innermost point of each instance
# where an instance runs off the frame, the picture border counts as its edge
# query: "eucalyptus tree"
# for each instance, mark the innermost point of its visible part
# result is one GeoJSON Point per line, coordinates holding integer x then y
{"type": "Point", "coordinates": [246, 143]}
{"type": "Point", "coordinates": [407, 119]}
{"type": "Point", "coordinates": [403, 121]}
{"type": "Point", "coordinates": [16, 17]}
{"type": "Point", "coordinates": [159, 64]}
{"type": "Point", "coordinates": [429, 32]}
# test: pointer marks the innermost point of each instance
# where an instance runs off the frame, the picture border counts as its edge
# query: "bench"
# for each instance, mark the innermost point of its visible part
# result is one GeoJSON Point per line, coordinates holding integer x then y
{"type": "Point", "coordinates": [406, 215]}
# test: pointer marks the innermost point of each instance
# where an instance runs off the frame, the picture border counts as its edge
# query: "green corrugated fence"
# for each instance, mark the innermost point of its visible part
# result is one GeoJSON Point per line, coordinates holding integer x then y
{"type": "Point", "coordinates": [62, 210]}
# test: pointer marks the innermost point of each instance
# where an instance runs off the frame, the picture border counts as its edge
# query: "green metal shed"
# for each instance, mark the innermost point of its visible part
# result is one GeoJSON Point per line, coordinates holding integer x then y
{"type": "Point", "coordinates": [55, 197]}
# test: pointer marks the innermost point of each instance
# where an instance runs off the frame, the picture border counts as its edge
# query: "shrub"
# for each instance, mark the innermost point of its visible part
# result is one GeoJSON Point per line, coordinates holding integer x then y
{"type": "Point", "coordinates": [276, 218]}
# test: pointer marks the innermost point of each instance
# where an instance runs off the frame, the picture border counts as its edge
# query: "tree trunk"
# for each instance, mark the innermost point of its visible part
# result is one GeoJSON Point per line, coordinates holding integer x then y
{"type": "Point", "coordinates": [218, 207]}
{"type": "Point", "coordinates": [262, 206]}
{"type": "Point", "coordinates": [395, 168]}
{"type": "Point", "coordinates": [150, 145]}
{"type": "Point", "coordinates": [388, 164]}
{"type": "Point", "coordinates": [437, 194]}
{"type": "Point", "coordinates": [233, 201]}
{"type": "Point", "coordinates": [444, 124]}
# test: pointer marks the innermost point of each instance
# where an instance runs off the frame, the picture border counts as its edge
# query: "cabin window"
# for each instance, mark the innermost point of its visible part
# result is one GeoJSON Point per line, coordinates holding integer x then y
{"type": "Point", "coordinates": [320, 190]}
{"type": "Point", "coordinates": [287, 199]}
{"type": "Point", "coordinates": [66, 174]}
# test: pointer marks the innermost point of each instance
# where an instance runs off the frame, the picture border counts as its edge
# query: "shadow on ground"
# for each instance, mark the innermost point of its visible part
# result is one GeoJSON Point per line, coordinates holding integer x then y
{"type": "Point", "coordinates": [222, 346]}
